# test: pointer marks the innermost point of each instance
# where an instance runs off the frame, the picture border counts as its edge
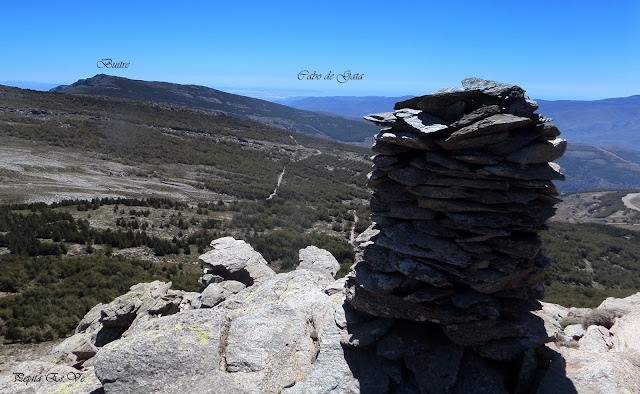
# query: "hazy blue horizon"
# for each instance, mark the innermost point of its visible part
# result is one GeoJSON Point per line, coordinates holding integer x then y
{"type": "Point", "coordinates": [268, 95]}
{"type": "Point", "coordinates": [569, 50]}
{"type": "Point", "coordinates": [554, 50]}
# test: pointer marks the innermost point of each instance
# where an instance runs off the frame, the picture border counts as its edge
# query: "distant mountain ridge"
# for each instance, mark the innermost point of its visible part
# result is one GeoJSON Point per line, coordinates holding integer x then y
{"type": "Point", "coordinates": [42, 86]}
{"type": "Point", "coordinates": [586, 166]}
{"type": "Point", "coordinates": [347, 106]}
{"type": "Point", "coordinates": [608, 122]}
{"type": "Point", "coordinates": [597, 164]}
{"type": "Point", "coordinates": [204, 98]}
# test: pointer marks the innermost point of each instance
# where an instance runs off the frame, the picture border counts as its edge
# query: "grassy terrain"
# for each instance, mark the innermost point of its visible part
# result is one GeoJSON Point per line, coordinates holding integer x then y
{"type": "Point", "coordinates": [590, 262]}
{"type": "Point", "coordinates": [52, 294]}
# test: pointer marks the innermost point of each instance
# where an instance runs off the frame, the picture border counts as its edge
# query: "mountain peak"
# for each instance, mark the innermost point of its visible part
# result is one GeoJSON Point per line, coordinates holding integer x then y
{"type": "Point", "coordinates": [208, 99]}
{"type": "Point", "coordinates": [97, 80]}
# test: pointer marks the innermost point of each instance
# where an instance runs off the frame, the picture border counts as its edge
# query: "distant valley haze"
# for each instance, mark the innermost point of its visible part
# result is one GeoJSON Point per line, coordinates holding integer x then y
{"type": "Point", "coordinates": [594, 159]}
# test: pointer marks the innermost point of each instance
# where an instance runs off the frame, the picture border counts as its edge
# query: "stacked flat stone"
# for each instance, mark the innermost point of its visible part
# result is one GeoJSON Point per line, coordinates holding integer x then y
{"type": "Point", "coordinates": [462, 186]}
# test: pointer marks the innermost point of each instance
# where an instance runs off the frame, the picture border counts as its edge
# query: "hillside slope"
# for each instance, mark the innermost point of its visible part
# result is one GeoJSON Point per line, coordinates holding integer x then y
{"type": "Point", "coordinates": [204, 98]}
{"type": "Point", "coordinates": [273, 187]}
{"type": "Point", "coordinates": [58, 147]}
{"type": "Point", "coordinates": [590, 167]}
{"type": "Point", "coordinates": [582, 123]}
{"type": "Point", "coordinates": [609, 122]}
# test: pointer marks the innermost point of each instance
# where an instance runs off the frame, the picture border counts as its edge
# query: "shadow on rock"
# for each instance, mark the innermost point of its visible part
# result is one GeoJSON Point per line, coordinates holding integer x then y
{"type": "Point", "coordinates": [400, 356]}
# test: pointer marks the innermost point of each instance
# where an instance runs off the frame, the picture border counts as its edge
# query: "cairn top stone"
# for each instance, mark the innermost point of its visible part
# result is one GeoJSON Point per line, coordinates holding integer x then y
{"type": "Point", "coordinates": [450, 103]}
{"type": "Point", "coordinates": [491, 88]}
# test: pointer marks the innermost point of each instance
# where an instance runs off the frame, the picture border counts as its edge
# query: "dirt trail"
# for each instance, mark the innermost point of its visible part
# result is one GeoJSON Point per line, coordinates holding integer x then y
{"type": "Point", "coordinates": [294, 140]}
{"type": "Point", "coordinates": [277, 184]}
{"type": "Point", "coordinates": [616, 156]}
{"type": "Point", "coordinates": [352, 237]}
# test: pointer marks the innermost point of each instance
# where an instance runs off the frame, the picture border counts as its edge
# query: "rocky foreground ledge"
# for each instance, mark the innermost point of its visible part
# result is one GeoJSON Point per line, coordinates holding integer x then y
{"type": "Point", "coordinates": [294, 333]}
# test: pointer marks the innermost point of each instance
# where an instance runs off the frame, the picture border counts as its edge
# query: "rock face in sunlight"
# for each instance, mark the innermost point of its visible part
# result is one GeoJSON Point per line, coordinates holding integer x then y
{"type": "Point", "coordinates": [233, 259]}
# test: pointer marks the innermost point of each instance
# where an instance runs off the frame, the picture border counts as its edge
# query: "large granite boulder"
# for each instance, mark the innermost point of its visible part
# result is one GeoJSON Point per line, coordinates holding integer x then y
{"type": "Point", "coordinates": [234, 259]}
{"type": "Point", "coordinates": [215, 293]}
{"type": "Point", "coordinates": [141, 303]}
{"type": "Point", "coordinates": [161, 354]}
{"type": "Point", "coordinates": [316, 259]}
{"type": "Point", "coordinates": [105, 323]}
{"type": "Point", "coordinates": [74, 351]}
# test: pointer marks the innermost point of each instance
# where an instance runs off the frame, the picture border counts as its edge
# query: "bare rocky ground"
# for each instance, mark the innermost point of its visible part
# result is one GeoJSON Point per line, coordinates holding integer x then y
{"type": "Point", "coordinates": [586, 207]}
{"type": "Point", "coordinates": [34, 173]}
{"type": "Point", "coordinates": [13, 354]}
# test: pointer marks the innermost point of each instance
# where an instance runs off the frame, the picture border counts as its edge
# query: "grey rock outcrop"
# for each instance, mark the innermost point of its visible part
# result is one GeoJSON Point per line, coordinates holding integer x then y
{"type": "Point", "coordinates": [276, 335]}
{"type": "Point", "coordinates": [143, 302]}
{"type": "Point", "coordinates": [74, 350]}
{"type": "Point", "coordinates": [295, 333]}
{"type": "Point", "coordinates": [105, 323]}
{"type": "Point", "coordinates": [147, 302]}
{"type": "Point", "coordinates": [602, 360]}
{"type": "Point", "coordinates": [234, 259]}
{"type": "Point", "coordinates": [215, 293]}
{"type": "Point", "coordinates": [316, 259]}
{"type": "Point", "coordinates": [574, 331]}
{"type": "Point", "coordinates": [180, 347]}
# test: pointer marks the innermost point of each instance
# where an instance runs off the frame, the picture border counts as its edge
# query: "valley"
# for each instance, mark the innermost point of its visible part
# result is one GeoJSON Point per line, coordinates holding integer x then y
{"type": "Point", "coordinates": [604, 123]}
{"type": "Point", "coordinates": [138, 190]}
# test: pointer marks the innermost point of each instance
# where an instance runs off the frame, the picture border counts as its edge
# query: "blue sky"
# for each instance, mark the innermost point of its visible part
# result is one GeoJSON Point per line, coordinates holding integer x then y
{"type": "Point", "coordinates": [554, 49]}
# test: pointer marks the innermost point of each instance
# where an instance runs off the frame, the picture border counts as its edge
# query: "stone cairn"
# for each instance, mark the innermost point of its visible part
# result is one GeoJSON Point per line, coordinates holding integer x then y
{"type": "Point", "coordinates": [462, 186]}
